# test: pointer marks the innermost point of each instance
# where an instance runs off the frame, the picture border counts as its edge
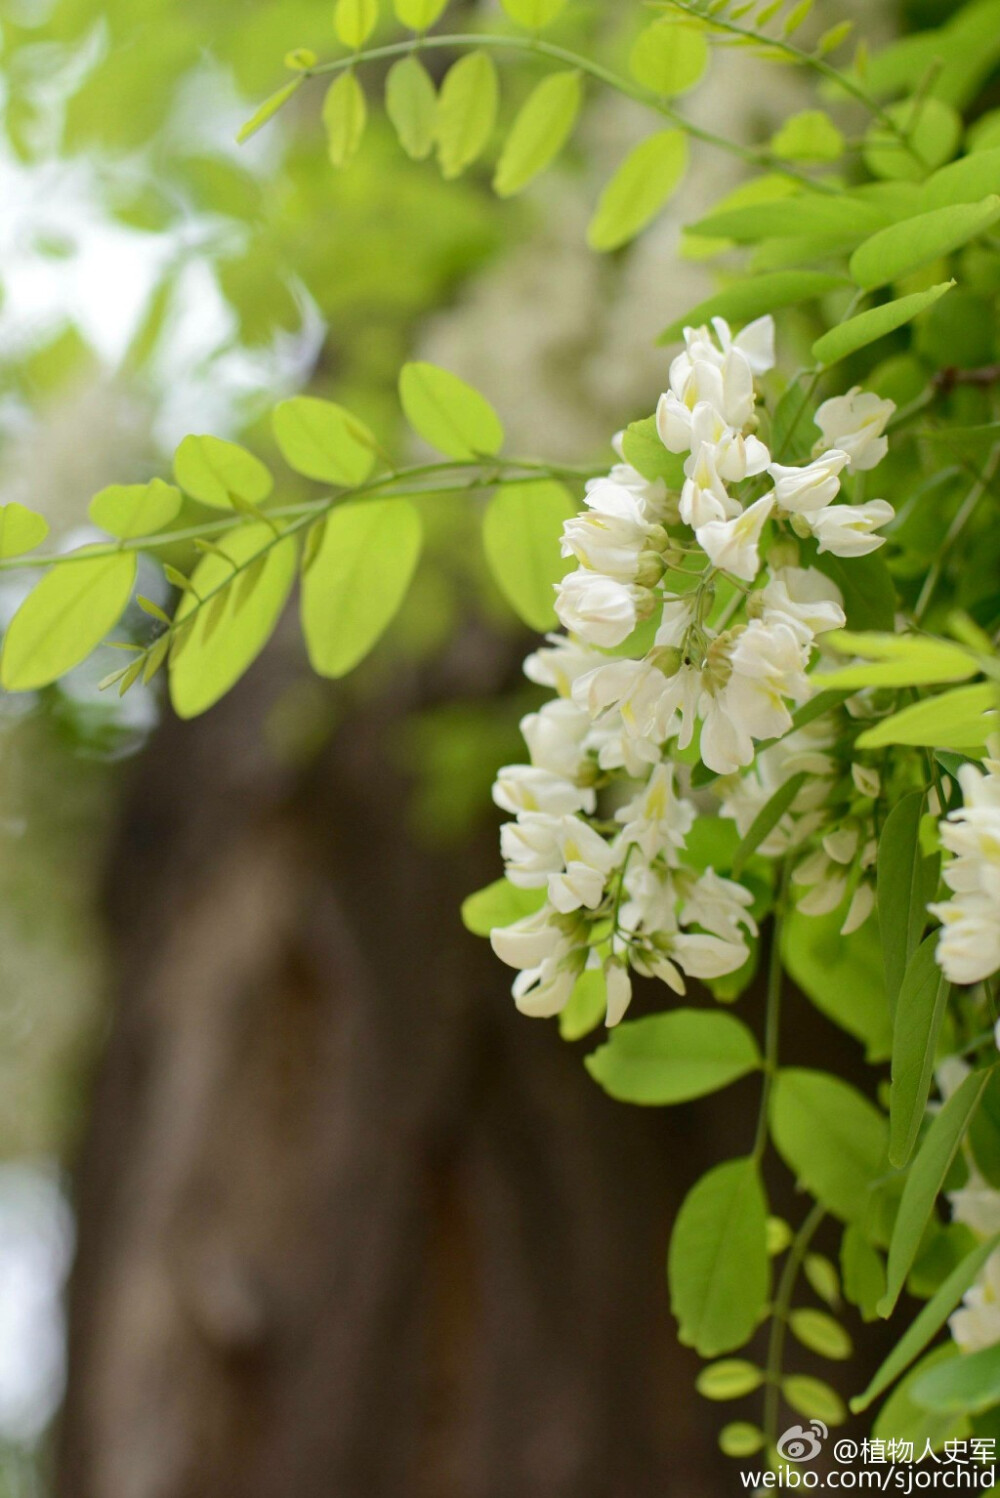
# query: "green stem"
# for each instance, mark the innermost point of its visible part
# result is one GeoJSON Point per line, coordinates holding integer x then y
{"type": "Point", "coordinates": [963, 515]}
{"type": "Point", "coordinates": [595, 70]}
{"type": "Point", "coordinates": [772, 1016]}
{"type": "Point", "coordinates": [779, 1320]}
{"type": "Point", "coordinates": [507, 471]}
{"type": "Point", "coordinates": [808, 60]}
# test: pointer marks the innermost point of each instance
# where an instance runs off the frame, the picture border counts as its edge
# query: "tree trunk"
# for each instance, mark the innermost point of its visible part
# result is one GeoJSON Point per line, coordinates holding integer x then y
{"type": "Point", "coordinates": [349, 1227]}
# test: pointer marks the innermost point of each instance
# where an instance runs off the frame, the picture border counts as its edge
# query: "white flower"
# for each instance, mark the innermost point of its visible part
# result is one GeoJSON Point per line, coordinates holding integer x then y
{"type": "Point", "coordinates": [545, 990]}
{"type": "Point", "coordinates": [599, 609]}
{"type": "Point", "coordinates": [976, 1325]}
{"type": "Point", "coordinates": [732, 544]}
{"type": "Point", "coordinates": [704, 496]}
{"type": "Point", "coordinates": [530, 848]}
{"type": "Point", "coordinates": [529, 941]}
{"type": "Point", "coordinates": [708, 956]}
{"type": "Point", "coordinates": [968, 948]}
{"type": "Point", "coordinates": [825, 881]}
{"type": "Point", "coordinates": [861, 906]}
{"type": "Point", "coordinates": [802, 598]}
{"type": "Point", "coordinates": [866, 780]}
{"type": "Point", "coordinates": [521, 788]}
{"type": "Point", "coordinates": [554, 736]}
{"type": "Point", "coordinates": [610, 538]}
{"type": "Point", "coordinates": [657, 820]}
{"type": "Point", "coordinates": [854, 423]}
{"type": "Point", "coordinates": [588, 860]}
{"type": "Point", "coordinates": [619, 990]}
{"type": "Point", "coordinates": [806, 490]}
{"type": "Point", "coordinates": [846, 530]}
{"type": "Point", "coordinates": [558, 663]}
{"type": "Point", "coordinates": [721, 906]}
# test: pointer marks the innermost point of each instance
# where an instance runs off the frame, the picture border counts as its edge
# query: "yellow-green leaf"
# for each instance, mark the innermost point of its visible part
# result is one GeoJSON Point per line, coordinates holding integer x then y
{"type": "Point", "coordinates": [323, 441]}
{"type": "Point", "coordinates": [818, 1331]}
{"type": "Point", "coordinates": [411, 104]}
{"type": "Point", "coordinates": [669, 58]}
{"type": "Point", "coordinates": [65, 617]}
{"type": "Point", "coordinates": [447, 413]}
{"type": "Point", "coordinates": [268, 109]}
{"type": "Point", "coordinates": [960, 719]}
{"type": "Point", "coordinates": [344, 115]}
{"type": "Point", "coordinates": [809, 136]}
{"type": "Point", "coordinates": [229, 632]}
{"type": "Point", "coordinates": [466, 111]}
{"type": "Point", "coordinates": [638, 190]}
{"type": "Point", "coordinates": [419, 14]}
{"type": "Point", "coordinates": [130, 510]}
{"type": "Point", "coordinates": [355, 20]}
{"type": "Point", "coordinates": [926, 135]}
{"type": "Point", "coordinates": [219, 472]}
{"type": "Point", "coordinates": [21, 529]}
{"type": "Point", "coordinates": [534, 14]}
{"type": "Point", "coordinates": [539, 132]}
{"type": "Point", "coordinates": [358, 580]}
{"type": "Point", "coordinates": [521, 533]}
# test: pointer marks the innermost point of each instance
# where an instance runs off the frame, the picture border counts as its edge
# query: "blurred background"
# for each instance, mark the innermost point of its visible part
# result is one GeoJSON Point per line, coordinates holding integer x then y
{"type": "Point", "coordinates": [291, 1200]}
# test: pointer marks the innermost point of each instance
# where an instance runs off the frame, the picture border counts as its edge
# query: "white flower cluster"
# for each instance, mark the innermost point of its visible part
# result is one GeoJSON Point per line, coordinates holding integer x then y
{"type": "Point", "coordinates": [603, 809]}
{"type": "Point", "coordinates": [968, 948]}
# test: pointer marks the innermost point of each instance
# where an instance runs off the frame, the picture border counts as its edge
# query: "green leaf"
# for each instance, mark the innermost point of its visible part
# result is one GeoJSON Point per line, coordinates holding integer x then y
{"type": "Point", "coordinates": [831, 1137]}
{"type": "Point", "coordinates": [539, 132]}
{"type": "Point", "coordinates": [718, 1266]}
{"type": "Point", "coordinates": [499, 904]}
{"type": "Point", "coordinates": [809, 136]}
{"type": "Point", "coordinates": [217, 472]}
{"type": "Point", "coordinates": [732, 1378]}
{"type": "Point", "coordinates": [767, 819]}
{"type": "Point", "coordinates": [813, 1398]}
{"type": "Point", "coordinates": [842, 975]}
{"type": "Point", "coordinates": [449, 414]}
{"type": "Point", "coordinates": [647, 177]}
{"type": "Point", "coordinates": [967, 180]}
{"type": "Point", "coordinates": [358, 580]}
{"type": "Point", "coordinates": [65, 617]}
{"type": "Point", "coordinates": [960, 719]}
{"type": "Point", "coordinates": [130, 510]}
{"type": "Point", "coordinates": [901, 1419]}
{"type": "Point", "coordinates": [534, 14]}
{"type": "Point", "coordinates": [673, 1057]}
{"type": "Point", "coordinates": [931, 127]}
{"type": "Point", "coordinates": [901, 248]}
{"type": "Point", "coordinates": [963, 1386]}
{"type": "Point", "coordinates": [902, 912]}
{"type": "Point", "coordinates": [821, 1333]}
{"type": "Point", "coordinates": [900, 661]}
{"type": "Point", "coordinates": [21, 529]}
{"type": "Point", "coordinates": [857, 332]}
{"type": "Point", "coordinates": [345, 114]}
{"type": "Point", "coordinates": [863, 1271]}
{"type": "Point", "coordinates": [923, 998]}
{"type": "Point", "coordinates": [268, 109]}
{"type": "Point", "coordinates": [928, 1323]}
{"type": "Point", "coordinates": [323, 441]}
{"type": "Point", "coordinates": [411, 104]}
{"type": "Point", "coordinates": [844, 217]}
{"type": "Point", "coordinates": [822, 1276]}
{"type": "Point", "coordinates": [925, 1179]}
{"type": "Point", "coordinates": [419, 14]}
{"type": "Point", "coordinates": [748, 299]}
{"type": "Point", "coordinates": [466, 111]}
{"type": "Point", "coordinates": [587, 1005]}
{"type": "Point", "coordinates": [645, 451]}
{"type": "Point", "coordinates": [354, 21]}
{"type": "Point", "coordinates": [229, 633]}
{"type": "Point", "coordinates": [866, 588]}
{"type": "Point", "coordinates": [669, 58]}
{"type": "Point", "coordinates": [521, 531]}
{"type": "Point", "coordinates": [740, 1439]}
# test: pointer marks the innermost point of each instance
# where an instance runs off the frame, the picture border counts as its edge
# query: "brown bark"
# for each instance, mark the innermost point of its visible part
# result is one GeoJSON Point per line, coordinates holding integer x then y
{"type": "Point", "coordinates": [349, 1226]}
